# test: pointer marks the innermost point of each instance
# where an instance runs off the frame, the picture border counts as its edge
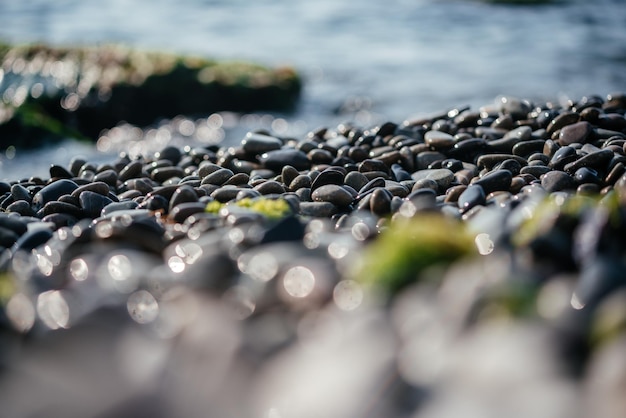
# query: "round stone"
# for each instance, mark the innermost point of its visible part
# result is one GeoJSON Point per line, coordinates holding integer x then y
{"type": "Point", "coordinates": [555, 181]}
{"type": "Point", "coordinates": [579, 132]}
{"type": "Point", "coordinates": [256, 144]}
{"type": "Point", "coordinates": [277, 159]}
{"type": "Point", "coordinates": [334, 194]}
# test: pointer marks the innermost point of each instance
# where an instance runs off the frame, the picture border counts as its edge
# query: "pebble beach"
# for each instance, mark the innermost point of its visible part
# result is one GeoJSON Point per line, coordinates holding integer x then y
{"type": "Point", "coordinates": [313, 209]}
{"type": "Point", "coordinates": [471, 260]}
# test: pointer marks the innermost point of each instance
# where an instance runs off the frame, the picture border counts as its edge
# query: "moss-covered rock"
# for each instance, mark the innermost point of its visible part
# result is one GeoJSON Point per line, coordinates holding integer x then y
{"type": "Point", "coordinates": [409, 247]}
{"type": "Point", "coordinates": [79, 91]}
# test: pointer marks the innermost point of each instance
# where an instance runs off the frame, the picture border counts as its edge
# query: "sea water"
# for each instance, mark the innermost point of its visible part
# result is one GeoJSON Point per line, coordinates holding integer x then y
{"type": "Point", "coordinates": [363, 61]}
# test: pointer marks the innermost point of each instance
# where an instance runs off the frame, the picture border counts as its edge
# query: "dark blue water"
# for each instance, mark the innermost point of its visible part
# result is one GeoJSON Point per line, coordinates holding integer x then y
{"type": "Point", "coordinates": [362, 60]}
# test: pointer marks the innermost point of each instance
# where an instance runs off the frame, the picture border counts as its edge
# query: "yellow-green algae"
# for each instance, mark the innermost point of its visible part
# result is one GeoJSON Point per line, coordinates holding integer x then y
{"type": "Point", "coordinates": [556, 209]}
{"type": "Point", "coordinates": [408, 247]}
{"type": "Point", "coordinates": [270, 208]}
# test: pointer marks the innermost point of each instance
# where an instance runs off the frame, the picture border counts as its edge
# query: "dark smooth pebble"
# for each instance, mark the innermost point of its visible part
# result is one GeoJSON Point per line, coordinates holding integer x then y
{"type": "Point", "coordinates": [60, 220]}
{"type": "Point", "coordinates": [52, 192]}
{"type": "Point", "coordinates": [277, 159]}
{"type": "Point", "coordinates": [356, 180]}
{"type": "Point", "coordinates": [58, 172]}
{"type": "Point", "coordinates": [555, 181]}
{"type": "Point", "coordinates": [270, 187]}
{"type": "Point", "coordinates": [334, 194]}
{"type": "Point", "coordinates": [328, 176]}
{"type": "Point", "coordinates": [256, 143]}
{"type": "Point", "coordinates": [118, 206]}
{"type": "Point", "coordinates": [535, 170]}
{"type": "Point", "coordinates": [22, 207]}
{"type": "Point", "coordinates": [7, 237]}
{"type": "Point", "coordinates": [96, 187]}
{"type": "Point", "coordinates": [563, 156]}
{"type": "Point", "coordinates": [32, 239]}
{"type": "Point", "coordinates": [489, 161]}
{"type": "Point", "coordinates": [170, 153]}
{"type": "Point", "coordinates": [318, 209]}
{"type": "Point", "coordinates": [183, 194]}
{"type": "Point", "coordinates": [598, 159]}
{"type": "Point", "coordinates": [184, 210]}
{"type": "Point", "coordinates": [495, 181]}
{"type": "Point", "coordinates": [92, 203]}
{"type": "Point", "coordinates": [579, 132]}
{"type": "Point", "coordinates": [107, 176]}
{"type": "Point", "coordinates": [226, 193]}
{"type": "Point", "coordinates": [132, 170]}
{"type": "Point", "coordinates": [164, 174]}
{"type": "Point", "coordinates": [472, 196]}
{"type": "Point", "coordinates": [564, 119]}
{"type": "Point", "coordinates": [380, 202]}
{"type": "Point", "coordinates": [20, 192]}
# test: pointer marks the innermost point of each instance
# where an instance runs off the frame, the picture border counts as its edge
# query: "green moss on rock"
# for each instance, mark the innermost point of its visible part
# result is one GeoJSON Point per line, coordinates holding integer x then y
{"type": "Point", "coordinates": [88, 89]}
{"type": "Point", "coordinates": [402, 252]}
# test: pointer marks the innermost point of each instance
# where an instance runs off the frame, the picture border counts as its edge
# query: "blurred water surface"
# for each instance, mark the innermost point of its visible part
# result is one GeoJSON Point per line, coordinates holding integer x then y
{"type": "Point", "coordinates": [364, 61]}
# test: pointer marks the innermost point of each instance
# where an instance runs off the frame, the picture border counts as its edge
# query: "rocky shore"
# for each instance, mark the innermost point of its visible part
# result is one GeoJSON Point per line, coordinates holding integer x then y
{"type": "Point", "coordinates": [50, 93]}
{"type": "Point", "coordinates": [467, 263]}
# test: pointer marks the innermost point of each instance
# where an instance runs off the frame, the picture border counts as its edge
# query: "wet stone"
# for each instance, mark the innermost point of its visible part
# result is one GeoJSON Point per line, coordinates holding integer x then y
{"type": "Point", "coordinates": [92, 203]}
{"type": "Point", "coordinates": [299, 182]}
{"type": "Point", "coordinates": [371, 185]}
{"type": "Point", "coordinates": [598, 159]}
{"type": "Point", "coordinates": [270, 187]}
{"type": "Point", "coordinates": [169, 153]}
{"type": "Point", "coordinates": [512, 166]}
{"type": "Point", "coordinates": [579, 132]}
{"type": "Point", "coordinates": [132, 170]}
{"type": "Point", "coordinates": [425, 183]}
{"type": "Point", "coordinates": [52, 192]}
{"type": "Point", "coordinates": [218, 177]}
{"type": "Point", "coordinates": [563, 156]}
{"type": "Point", "coordinates": [380, 201]}
{"type": "Point", "coordinates": [20, 192]}
{"type": "Point", "coordinates": [256, 144]}
{"type": "Point", "coordinates": [562, 120]}
{"type": "Point", "coordinates": [472, 196]}
{"type": "Point", "coordinates": [356, 180]}
{"type": "Point", "coordinates": [535, 170]}
{"type": "Point", "coordinates": [288, 174]}
{"type": "Point", "coordinates": [107, 176]}
{"type": "Point", "coordinates": [328, 176]}
{"type": "Point", "coordinates": [118, 206]}
{"type": "Point", "coordinates": [206, 168]}
{"type": "Point", "coordinates": [60, 207]}
{"type": "Point", "coordinates": [7, 237]}
{"type": "Point", "coordinates": [318, 209]}
{"type": "Point", "coordinates": [425, 158]}
{"type": "Point", "coordinates": [15, 224]}
{"type": "Point", "coordinates": [22, 207]}
{"type": "Point", "coordinates": [96, 187]}
{"type": "Point", "coordinates": [442, 176]}
{"type": "Point", "coordinates": [334, 194]}
{"type": "Point", "coordinates": [163, 174]}
{"type": "Point", "coordinates": [587, 175]}
{"type": "Point", "coordinates": [182, 195]}
{"type": "Point", "coordinates": [226, 193]}
{"type": "Point", "coordinates": [526, 148]}
{"type": "Point", "coordinates": [184, 210]}
{"type": "Point", "coordinates": [496, 180]}
{"type": "Point", "coordinates": [555, 181]}
{"type": "Point", "coordinates": [58, 172]}
{"type": "Point", "coordinates": [277, 159]}
{"type": "Point", "coordinates": [438, 140]}
{"type": "Point", "coordinates": [489, 161]}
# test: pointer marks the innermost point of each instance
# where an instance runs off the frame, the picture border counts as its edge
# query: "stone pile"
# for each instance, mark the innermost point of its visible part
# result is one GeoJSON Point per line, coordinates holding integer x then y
{"type": "Point", "coordinates": [464, 262]}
